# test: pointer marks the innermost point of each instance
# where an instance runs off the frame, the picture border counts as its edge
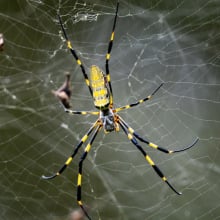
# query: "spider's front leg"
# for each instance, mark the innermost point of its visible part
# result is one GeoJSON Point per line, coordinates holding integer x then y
{"type": "Point", "coordinates": [73, 52]}
{"type": "Point", "coordinates": [109, 54]}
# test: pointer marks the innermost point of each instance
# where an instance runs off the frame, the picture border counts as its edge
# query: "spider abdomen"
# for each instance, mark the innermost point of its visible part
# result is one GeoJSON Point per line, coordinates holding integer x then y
{"type": "Point", "coordinates": [99, 88]}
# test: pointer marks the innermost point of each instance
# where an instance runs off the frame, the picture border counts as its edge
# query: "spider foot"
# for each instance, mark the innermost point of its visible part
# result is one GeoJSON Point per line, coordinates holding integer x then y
{"type": "Point", "coordinates": [178, 193]}
{"type": "Point", "coordinates": [49, 177]}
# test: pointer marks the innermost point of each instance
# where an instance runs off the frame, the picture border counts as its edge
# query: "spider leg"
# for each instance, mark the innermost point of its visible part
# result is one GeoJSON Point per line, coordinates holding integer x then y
{"type": "Point", "coordinates": [69, 160]}
{"type": "Point", "coordinates": [69, 45]}
{"type": "Point", "coordinates": [108, 55]}
{"type": "Point", "coordinates": [147, 157]}
{"type": "Point", "coordinates": [71, 112]}
{"type": "Point", "coordinates": [140, 101]}
{"type": "Point", "coordinates": [79, 179]}
{"type": "Point", "coordinates": [164, 150]}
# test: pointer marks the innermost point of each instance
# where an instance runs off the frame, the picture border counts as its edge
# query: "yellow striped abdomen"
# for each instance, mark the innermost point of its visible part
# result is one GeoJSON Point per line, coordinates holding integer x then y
{"type": "Point", "coordinates": [100, 90]}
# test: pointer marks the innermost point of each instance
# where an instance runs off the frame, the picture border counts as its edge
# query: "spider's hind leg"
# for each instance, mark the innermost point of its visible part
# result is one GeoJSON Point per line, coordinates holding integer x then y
{"type": "Point", "coordinates": [139, 101]}
{"type": "Point", "coordinates": [69, 159]}
{"type": "Point", "coordinates": [79, 179]}
{"type": "Point", "coordinates": [147, 157]}
{"type": "Point", "coordinates": [150, 144]}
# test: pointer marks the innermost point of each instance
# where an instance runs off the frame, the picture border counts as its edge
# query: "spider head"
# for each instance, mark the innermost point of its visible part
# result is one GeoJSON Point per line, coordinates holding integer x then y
{"type": "Point", "coordinates": [107, 118]}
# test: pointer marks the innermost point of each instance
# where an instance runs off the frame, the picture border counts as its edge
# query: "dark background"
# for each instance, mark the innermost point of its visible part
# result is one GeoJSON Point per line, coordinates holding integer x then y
{"type": "Point", "coordinates": [175, 42]}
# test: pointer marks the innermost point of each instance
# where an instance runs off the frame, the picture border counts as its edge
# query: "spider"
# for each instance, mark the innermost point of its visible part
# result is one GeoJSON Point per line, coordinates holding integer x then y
{"type": "Point", "coordinates": [100, 88]}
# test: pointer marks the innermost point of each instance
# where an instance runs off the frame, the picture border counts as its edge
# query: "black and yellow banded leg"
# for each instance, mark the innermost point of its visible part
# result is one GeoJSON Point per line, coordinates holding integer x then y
{"type": "Point", "coordinates": [69, 160]}
{"type": "Point", "coordinates": [164, 150]}
{"type": "Point", "coordinates": [71, 112]}
{"type": "Point", "coordinates": [79, 179]}
{"type": "Point", "coordinates": [147, 157]}
{"type": "Point", "coordinates": [69, 45]}
{"type": "Point", "coordinates": [109, 54]}
{"type": "Point", "coordinates": [140, 101]}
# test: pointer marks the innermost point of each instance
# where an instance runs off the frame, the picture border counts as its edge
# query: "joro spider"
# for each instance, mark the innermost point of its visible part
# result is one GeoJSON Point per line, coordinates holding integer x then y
{"type": "Point", "coordinates": [101, 91]}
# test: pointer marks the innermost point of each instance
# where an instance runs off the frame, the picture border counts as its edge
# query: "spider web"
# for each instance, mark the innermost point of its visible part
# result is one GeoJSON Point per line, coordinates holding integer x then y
{"type": "Point", "coordinates": [175, 42]}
